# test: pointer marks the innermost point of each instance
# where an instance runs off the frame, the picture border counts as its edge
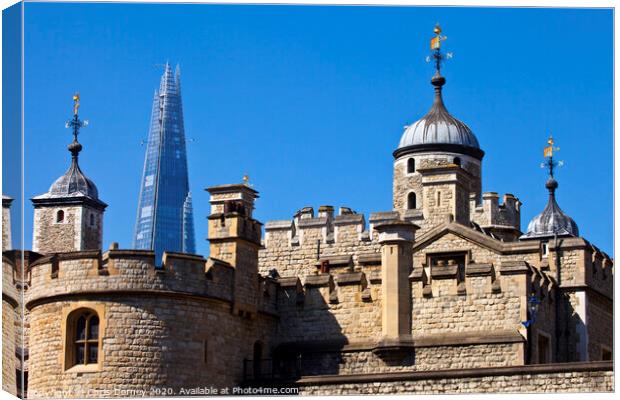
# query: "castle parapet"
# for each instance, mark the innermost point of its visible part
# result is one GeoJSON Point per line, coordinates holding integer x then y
{"type": "Point", "coordinates": [122, 271]}
{"type": "Point", "coordinates": [305, 229]}
{"type": "Point", "coordinates": [503, 220]}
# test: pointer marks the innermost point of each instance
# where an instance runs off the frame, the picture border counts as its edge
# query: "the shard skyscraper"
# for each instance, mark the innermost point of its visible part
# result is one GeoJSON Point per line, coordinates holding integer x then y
{"type": "Point", "coordinates": [165, 220]}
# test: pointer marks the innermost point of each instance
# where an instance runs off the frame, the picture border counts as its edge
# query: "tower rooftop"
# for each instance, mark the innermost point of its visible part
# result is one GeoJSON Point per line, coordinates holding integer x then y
{"type": "Point", "coordinates": [73, 184]}
{"type": "Point", "coordinates": [552, 221]}
{"type": "Point", "coordinates": [438, 129]}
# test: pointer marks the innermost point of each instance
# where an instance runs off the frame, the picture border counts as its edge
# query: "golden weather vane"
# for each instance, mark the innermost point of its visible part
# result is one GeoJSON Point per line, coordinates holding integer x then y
{"type": "Point", "coordinates": [548, 151]}
{"type": "Point", "coordinates": [437, 56]}
{"type": "Point", "coordinates": [246, 179]}
{"type": "Point", "coordinates": [76, 102]}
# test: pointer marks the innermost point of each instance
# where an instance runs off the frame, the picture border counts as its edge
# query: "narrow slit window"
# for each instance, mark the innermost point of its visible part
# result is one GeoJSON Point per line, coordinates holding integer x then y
{"type": "Point", "coordinates": [411, 201]}
{"type": "Point", "coordinates": [411, 165]}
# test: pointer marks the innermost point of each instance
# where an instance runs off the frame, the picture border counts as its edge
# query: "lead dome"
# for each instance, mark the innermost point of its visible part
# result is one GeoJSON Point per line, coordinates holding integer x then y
{"type": "Point", "coordinates": [438, 126]}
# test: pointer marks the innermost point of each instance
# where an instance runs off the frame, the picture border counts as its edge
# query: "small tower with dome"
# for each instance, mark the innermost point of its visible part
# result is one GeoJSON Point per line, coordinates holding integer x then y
{"type": "Point", "coordinates": [552, 222]}
{"type": "Point", "coordinates": [427, 147]}
{"type": "Point", "coordinates": [69, 217]}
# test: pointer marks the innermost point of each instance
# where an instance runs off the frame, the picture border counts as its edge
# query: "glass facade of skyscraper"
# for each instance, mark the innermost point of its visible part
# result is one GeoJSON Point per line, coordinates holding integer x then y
{"type": "Point", "coordinates": [165, 218]}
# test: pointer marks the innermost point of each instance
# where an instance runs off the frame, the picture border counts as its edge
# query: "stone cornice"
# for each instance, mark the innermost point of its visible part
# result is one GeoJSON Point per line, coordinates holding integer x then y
{"type": "Point", "coordinates": [439, 147]}
{"type": "Point", "coordinates": [457, 373]}
{"type": "Point", "coordinates": [90, 294]}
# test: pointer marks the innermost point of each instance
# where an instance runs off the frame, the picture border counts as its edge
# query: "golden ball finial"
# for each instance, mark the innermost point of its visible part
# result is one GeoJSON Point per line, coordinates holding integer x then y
{"type": "Point", "coordinates": [437, 29]}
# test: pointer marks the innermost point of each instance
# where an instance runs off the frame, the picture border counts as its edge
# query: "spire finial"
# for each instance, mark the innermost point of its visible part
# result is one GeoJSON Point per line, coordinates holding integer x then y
{"type": "Point", "coordinates": [75, 124]}
{"type": "Point", "coordinates": [550, 164]}
{"type": "Point", "coordinates": [437, 56]}
{"type": "Point", "coordinates": [76, 102]}
{"type": "Point", "coordinates": [548, 151]}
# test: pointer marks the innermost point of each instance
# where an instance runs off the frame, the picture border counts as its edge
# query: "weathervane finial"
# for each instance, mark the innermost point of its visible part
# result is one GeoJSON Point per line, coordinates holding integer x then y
{"type": "Point", "coordinates": [75, 124]}
{"type": "Point", "coordinates": [548, 151]}
{"type": "Point", "coordinates": [437, 56]}
{"type": "Point", "coordinates": [76, 102]}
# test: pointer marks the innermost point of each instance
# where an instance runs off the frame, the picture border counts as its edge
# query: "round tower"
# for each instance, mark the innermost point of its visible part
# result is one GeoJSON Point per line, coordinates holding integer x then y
{"type": "Point", "coordinates": [435, 141]}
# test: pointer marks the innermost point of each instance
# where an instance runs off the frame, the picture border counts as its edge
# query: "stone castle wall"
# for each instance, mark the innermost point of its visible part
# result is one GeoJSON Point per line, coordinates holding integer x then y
{"type": "Point", "coordinates": [157, 344]}
{"type": "Point", "coordinates": [575, 378]}
{"type": "Point", "coordinates": [10, 320]}
{"type": "Point", "coordinates": [153, 321]}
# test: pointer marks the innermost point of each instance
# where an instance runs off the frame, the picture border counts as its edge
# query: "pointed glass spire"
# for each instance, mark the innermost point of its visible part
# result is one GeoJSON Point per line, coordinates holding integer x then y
{"type": "Point", "coordinates": [164, 220]}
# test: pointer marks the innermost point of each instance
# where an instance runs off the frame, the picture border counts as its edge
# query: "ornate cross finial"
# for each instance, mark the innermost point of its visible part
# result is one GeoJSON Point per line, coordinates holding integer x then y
{"type": "Point", "coordinates": [550, 163]}
{"type": "Point", "coordinates": [437, 56]}
{"type": "Point", "coordinates": [75, 124]}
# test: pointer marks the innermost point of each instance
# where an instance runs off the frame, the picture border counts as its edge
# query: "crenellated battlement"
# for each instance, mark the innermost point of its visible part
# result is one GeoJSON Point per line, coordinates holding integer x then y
{"type": "Point", "coordinates": [298, 247]}
{"type": "Point", "coordinates": [122, 271]}
{"type": "Point", "coordinates": [305, 228]}
{"type": "Point", "coordinates": [502, 219]}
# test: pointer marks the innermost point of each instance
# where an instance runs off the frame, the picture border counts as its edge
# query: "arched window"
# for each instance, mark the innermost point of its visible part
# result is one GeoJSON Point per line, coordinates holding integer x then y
{"type": "Point", "coordinates": [457, 161]}
{"type": "Point", "coordinates": [60, 216]}
{"type": "Point", "coordinates": [92, 219]}
{"type": "Point", "coordinates": [411, 165]}
{"type": "Point", "coordinates": [83, 338]}
{"type": "Point", "coordinates": [411, 201]}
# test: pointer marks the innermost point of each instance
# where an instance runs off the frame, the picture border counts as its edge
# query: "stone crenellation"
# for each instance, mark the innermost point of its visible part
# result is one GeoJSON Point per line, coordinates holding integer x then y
{"type": "Point", "coordinates": [503, 219]}
{"type": "Point", "coordinates": [135, 270]}
{"type": "Point", "coordinates": [299, 246]}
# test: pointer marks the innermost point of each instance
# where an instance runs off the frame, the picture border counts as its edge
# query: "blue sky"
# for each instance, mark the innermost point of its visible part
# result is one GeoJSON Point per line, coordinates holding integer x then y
{"type": "Point", "coordinates": [310, 101]}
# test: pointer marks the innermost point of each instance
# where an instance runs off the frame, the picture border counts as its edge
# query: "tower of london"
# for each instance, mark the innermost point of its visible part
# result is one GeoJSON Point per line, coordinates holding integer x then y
{"type": "Point", "coordinates": [446, 292]}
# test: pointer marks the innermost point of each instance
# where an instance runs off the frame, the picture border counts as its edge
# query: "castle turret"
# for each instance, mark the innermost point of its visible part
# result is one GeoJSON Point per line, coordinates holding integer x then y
{"type": "Point", "coordinates": [235, 238]}
{"type": "Point", "coordinates": [69, 217]}
{"type": "Point", "coordinates": [438, 143]}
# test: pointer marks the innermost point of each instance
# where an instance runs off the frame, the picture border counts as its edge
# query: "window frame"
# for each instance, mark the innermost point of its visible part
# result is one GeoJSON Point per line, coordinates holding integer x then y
{"type": "Point", "coordinates": [58, 213]}
{"type": "Point", "coordinates": [70, 317]}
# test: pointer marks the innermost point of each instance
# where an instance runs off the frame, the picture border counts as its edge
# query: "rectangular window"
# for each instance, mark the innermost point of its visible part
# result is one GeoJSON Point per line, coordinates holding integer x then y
{"type": "Point", "coordinates": [148, 181]}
